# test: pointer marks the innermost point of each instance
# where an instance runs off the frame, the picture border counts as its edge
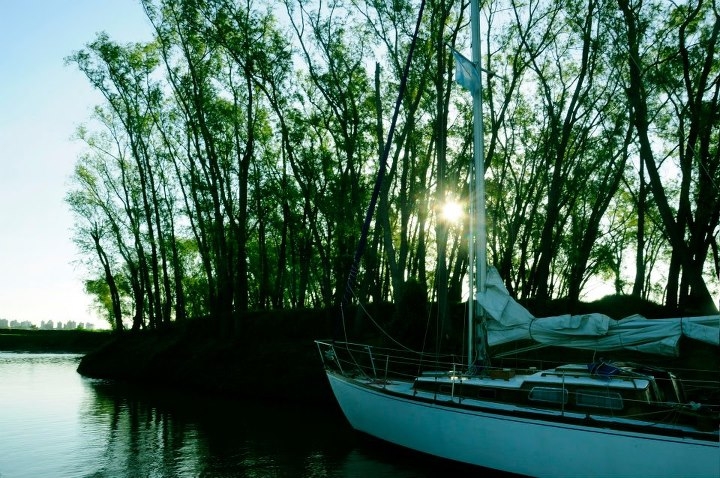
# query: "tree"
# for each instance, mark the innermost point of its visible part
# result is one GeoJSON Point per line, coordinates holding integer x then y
{"type": "Point", "coordinates": [688, 100]}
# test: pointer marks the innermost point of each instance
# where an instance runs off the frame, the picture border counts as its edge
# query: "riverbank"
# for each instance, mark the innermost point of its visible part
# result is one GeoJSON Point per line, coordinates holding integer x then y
{"type": "Point", "coordinates": [52, 341]}
{"type": "Point", "coordinates": [270, 357]}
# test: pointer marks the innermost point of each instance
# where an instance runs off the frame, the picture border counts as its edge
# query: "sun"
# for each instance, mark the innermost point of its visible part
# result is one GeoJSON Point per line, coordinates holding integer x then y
{"type": "Point", "coordinates": [452, 211]}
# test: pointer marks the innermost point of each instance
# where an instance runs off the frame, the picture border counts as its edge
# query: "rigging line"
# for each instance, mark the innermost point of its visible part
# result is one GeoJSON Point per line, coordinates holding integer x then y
{"type": "Point", "coordinates": [427, 331]}
{"type": "Point", "coordinates": [383, 160]}
{"type": "Point", "coordinates": [510, 353]}
{"type": "Point", "coordinates": [347, 346]}
{"type": "Point", "coordinates": [378, 183]}
{"type": "Point", "coordinates": [385, 333]}
{"type": "Point", "coordinates": [425, 337]}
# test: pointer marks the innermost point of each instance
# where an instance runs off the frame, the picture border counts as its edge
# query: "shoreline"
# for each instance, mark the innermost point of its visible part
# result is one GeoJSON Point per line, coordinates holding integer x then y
{"type": "Point", "coordinates": [52, 341]}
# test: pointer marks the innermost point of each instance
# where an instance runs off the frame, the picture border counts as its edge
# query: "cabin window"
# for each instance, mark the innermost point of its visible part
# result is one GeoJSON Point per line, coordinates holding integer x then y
{"type": "Point", "coordinates": [599, 399]}
{"type": "Point", "coordinates": [548, 395]}
{"type": "Point", "coordinates": [485, 393]}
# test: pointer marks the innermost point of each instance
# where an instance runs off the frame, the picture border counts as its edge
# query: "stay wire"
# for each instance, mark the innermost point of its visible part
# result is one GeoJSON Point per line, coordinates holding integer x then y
{"type": "Point", "coordinates": [383, 161]}
{"type": "Point", "coordinates": [381, 174]}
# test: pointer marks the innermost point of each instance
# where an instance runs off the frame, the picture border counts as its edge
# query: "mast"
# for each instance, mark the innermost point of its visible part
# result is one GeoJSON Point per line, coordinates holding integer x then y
{"type": "Point", "coordinates": [478, 208]}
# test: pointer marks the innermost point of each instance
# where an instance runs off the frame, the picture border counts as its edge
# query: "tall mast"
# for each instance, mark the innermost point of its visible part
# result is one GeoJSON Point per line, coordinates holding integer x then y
{"type": "Point", "coordinates": [480, 242]}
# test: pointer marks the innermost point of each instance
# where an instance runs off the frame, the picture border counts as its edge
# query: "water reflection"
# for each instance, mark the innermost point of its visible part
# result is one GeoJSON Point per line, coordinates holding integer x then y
{"type": "Point", "coordinates": [55, 423]}
{"type": "Point", "coordinates": [167, 433]}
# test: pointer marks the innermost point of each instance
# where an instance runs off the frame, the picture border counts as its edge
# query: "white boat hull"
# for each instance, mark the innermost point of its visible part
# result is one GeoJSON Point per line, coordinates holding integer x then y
{"type": "Point", "coordinates": [517, 444]}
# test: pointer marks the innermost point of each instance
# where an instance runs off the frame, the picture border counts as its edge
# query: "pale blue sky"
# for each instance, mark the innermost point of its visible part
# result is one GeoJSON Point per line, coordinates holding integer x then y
{"type": "Point", "coordinates": [42, 102]}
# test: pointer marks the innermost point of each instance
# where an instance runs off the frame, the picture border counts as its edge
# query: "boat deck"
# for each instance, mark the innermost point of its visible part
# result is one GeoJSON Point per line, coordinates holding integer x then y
{"type": "Point", "coordinates": [409, 390]}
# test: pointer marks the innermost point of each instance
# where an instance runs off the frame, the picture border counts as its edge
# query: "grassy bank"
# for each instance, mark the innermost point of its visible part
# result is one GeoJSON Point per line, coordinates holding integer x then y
{"type": "Point", "coordinates": [52, 341]}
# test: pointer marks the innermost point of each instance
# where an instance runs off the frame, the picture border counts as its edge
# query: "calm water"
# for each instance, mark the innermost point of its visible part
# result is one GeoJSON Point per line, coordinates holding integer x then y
{"type": "Point", "coordinates": [55, 423]}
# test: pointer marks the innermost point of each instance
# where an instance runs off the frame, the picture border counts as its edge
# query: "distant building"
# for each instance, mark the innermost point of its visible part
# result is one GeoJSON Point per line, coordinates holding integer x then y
{"type": "Point", "coordinates": [46, 325]}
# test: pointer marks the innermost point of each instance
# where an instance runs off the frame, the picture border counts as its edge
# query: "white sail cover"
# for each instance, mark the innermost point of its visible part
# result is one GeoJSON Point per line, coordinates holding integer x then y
{"type": "Point", "coordinates": [508, 321]}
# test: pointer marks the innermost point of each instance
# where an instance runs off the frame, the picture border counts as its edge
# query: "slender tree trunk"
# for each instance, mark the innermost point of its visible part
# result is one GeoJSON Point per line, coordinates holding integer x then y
{"type": "Point", "coordinates": [110, 279]}
{"type": "Point", "coordinates": [640, 235]}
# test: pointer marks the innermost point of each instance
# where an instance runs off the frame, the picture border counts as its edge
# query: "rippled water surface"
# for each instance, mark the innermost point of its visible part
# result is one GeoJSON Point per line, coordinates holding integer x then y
{"type": "Point", "coordinates": [55, 423]}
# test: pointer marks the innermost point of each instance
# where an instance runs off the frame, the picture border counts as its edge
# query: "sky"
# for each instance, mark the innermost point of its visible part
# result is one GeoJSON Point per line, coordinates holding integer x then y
{"type": "Point", "coordinates": [42, 103]}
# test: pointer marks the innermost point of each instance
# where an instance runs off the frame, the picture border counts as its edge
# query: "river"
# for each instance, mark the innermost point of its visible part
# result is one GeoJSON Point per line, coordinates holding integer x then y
{"type": "Point", "coordinates": [56, 423]}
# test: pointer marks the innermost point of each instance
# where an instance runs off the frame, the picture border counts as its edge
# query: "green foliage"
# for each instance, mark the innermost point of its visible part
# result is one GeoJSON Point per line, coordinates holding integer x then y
{"type": "Point", "coordinates": [99, 290]}
{"type": "Point", "coordinates": [230, 166]}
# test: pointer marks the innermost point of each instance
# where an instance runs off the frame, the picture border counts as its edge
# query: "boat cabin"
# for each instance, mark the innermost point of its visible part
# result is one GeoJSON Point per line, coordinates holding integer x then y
{"type": "Point", "coordinates": [614, 390]}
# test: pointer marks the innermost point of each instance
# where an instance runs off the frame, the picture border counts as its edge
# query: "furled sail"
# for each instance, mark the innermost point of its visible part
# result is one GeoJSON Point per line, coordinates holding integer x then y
{"type": "Point", "coordinates": [508, 321]}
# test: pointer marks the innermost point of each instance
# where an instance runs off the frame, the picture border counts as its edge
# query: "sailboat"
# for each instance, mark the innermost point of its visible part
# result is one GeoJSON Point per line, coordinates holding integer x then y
{"type": "Point", "coordinates": [589, 419]}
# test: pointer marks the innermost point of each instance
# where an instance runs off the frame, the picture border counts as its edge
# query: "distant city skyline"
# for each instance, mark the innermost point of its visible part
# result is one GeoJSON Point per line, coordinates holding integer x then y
{"type": "Point", "coordinates": [45, 325]}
